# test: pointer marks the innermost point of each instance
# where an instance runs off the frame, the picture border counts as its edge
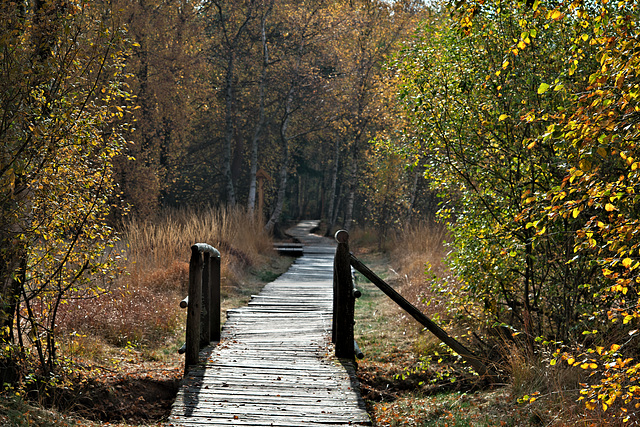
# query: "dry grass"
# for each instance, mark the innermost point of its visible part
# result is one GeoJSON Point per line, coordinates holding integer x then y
{"type": "Point", "coordinates": [141, 310]}
{"type": "Point", "coordinates": [417, 253]}
{"type": "Point", "coordinates": [399, 375]}
{"type": "Point", "coordinates": [152, 245]}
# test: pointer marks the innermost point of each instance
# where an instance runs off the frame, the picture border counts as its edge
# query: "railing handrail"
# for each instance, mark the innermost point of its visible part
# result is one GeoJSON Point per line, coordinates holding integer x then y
{"type": "Point", "coordinates": [343, 317]}
{"type": "Point", "coordinates": [202, 302]}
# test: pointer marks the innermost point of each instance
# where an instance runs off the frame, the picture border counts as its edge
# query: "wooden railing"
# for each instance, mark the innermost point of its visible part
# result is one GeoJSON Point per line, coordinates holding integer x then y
{"type": "Point", "coordinates": [202, 302]}
{"type": "Point", "coordinates": [344, 295]}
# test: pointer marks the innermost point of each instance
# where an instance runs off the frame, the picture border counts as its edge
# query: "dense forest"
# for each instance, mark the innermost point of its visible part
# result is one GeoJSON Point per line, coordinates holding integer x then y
{"type": "Point", "coordinates": [513, 122]}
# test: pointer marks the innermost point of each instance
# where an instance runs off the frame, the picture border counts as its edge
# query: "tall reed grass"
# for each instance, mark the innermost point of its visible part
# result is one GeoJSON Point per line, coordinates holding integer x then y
{"type": "Point", "coordinates": [141, 309]}
{"type": "Point", "coordinates": [154, 245]}
{"type": "Point", "coordinates": [418, 244]}
{"type": "Point", "coordinates": [418, 253]}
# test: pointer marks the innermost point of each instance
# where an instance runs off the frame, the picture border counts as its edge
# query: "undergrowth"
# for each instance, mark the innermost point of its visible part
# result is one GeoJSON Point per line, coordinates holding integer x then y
{"type": "Point", "coordinates": [118, 348]}
{"type": "Point", "coordinates": [408, 378]}
{"type": "Point", "coordinates": [141, 310]}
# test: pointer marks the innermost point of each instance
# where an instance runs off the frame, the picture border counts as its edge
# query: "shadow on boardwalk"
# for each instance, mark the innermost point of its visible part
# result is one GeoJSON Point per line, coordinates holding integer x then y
{"type": "Point", "coordinates": [275, 365]}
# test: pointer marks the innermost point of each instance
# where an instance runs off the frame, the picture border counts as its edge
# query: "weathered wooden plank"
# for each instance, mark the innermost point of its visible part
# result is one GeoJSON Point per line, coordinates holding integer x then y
{"type": "Point", "coordinates": [276, 422]}
{"type": "Point", "coordinates": [289, 397]}
{"type": "Point", "coordinates": [274, 364]}
{"type": "Point", "coordinates": [279, 413]}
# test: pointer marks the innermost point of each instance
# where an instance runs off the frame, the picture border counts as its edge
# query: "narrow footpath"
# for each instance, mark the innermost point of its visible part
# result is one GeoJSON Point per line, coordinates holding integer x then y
{"type": "Point", "coordinates": [275, 365]}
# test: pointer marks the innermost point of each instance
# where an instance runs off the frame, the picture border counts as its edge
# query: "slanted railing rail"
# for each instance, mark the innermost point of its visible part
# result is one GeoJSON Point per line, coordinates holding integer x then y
{"type": "Point", "coordinates": [202, 302]}
{"type": "Point", "coordinates": [344, 302]}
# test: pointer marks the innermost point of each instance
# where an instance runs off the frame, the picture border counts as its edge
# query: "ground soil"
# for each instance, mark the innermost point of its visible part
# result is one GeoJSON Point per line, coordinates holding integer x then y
{"type": "Point", "coordinates": [132, 394]}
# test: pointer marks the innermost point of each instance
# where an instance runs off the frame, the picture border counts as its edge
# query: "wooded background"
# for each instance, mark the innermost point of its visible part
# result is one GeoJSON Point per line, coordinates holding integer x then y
{"type": "Point", "coordinates": [523, 117]}
{"type": "Point", "coordinates": [225, 88]}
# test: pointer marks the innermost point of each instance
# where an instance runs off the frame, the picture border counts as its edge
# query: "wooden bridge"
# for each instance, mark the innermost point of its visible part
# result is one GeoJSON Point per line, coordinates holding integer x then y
{"type": "Point", "coordinates": [274, 365]}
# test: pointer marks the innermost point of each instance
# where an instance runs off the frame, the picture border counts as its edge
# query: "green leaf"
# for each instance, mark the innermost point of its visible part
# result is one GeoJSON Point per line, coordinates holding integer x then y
{"type": "Point", "coordinates": [543, 88]}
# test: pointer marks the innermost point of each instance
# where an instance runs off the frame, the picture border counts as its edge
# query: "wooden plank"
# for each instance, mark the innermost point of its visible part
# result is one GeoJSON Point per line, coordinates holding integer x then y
{"type": "Point", "coordinates": [274, 365]}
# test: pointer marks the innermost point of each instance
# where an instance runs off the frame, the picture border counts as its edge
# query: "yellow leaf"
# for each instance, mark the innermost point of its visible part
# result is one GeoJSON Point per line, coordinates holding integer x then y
{"type": "Point", "coordinates": [521, 44]}
{"type": "Point", "coordinates": [609, 207]}
{"type": "Point", "coordinates": [571, 360]}
{"type": "Point", "coordinates": [627, 262]}
{"type": "Point", "coordinates": [556, 15]}
{"type": "Point", "coordinates": [615, 347]}
{"type": "Point", "coordinates": [585, 164]}
{"type": "Point", "coordinates": [502, 117]}
{"type": "Point", "coordinates": [543, 88]}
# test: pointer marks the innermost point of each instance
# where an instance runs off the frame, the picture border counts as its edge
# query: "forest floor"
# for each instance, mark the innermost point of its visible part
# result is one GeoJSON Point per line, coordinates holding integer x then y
{"type": "Point", "coordinates": [408, 378]}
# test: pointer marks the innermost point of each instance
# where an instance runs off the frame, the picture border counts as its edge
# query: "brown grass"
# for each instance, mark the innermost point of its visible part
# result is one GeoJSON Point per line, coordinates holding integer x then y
{"type": "Point", "coordinates": [141, 308]}
{"type": "Point", "coordinates": [398, 387]}
{"type": "Point", "coordinates": [152, 244]}
{"type": "Point", "coordinates": [417, 253]}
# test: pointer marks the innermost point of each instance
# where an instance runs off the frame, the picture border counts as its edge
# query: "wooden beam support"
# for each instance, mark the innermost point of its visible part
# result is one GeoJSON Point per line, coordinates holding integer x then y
{"type": "Point", "coordinates": [455, 345]}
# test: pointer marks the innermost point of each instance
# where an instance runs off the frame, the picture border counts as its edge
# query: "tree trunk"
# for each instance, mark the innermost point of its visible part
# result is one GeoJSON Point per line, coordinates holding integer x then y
{"type": "Point", "coordinates": [12, 263]}
{"type": "Point", "coordinates": [336, 211]}
{"type": "Point", "coordinates": [300, 197]}
{"type": "Point", "coordinates": [284, 168]}
{"type": "Point", "coordinates": [333, 198]}
{"type": "Point", "coordinates": [284, 171]}
{"type": "Point", "coordinates": [229, 130]}
{"type": "Point", "coordinates": [348, 216]}
{"type": "Point", "coordinates": [414, 193]}
{"type": "Point", "coordinates": [13, 267]}
{"type": "Point", "coordinates": [251, 203]}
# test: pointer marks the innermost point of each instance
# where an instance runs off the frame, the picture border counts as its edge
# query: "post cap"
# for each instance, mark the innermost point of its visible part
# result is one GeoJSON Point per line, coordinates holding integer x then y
{"type": "Point", "coordinates": [342, 236]}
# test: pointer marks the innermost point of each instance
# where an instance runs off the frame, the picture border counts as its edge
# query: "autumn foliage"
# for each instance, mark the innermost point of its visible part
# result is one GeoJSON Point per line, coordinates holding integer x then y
{"type": "Point", "coordinates": [526, 113]}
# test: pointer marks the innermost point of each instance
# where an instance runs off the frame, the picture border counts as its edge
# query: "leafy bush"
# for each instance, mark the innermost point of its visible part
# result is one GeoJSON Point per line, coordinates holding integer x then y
{"type": "Point", "coordinates": [526, 112]}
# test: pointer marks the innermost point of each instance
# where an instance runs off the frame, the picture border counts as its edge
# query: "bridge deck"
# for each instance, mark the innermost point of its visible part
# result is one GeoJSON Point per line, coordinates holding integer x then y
{"type": "Point", "coordinates": [274, 365]}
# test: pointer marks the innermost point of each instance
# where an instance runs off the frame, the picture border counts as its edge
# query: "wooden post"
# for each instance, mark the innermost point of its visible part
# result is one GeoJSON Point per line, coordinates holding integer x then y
{"type": "Point", "coordinates": [335, 305]}
{"type": "Point", "coordinates": [205, 315]}
{"type": "Point", "coordinates": [194, 308]}
{"type": "Point", "coordinates": [202, 302]}
{"type": "Point", "coordinates": [344, 299]}
{"type": "Point", "coordinates": [215, 298]}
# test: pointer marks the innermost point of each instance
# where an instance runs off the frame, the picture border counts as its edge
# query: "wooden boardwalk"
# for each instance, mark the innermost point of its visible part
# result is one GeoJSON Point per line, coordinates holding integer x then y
{"type": "Point", "coordinates": [274, 365]}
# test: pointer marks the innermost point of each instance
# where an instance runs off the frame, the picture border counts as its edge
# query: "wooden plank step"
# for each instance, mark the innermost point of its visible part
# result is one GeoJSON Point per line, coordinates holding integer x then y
{"type": "Point", "coordinates": [289, 249]}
